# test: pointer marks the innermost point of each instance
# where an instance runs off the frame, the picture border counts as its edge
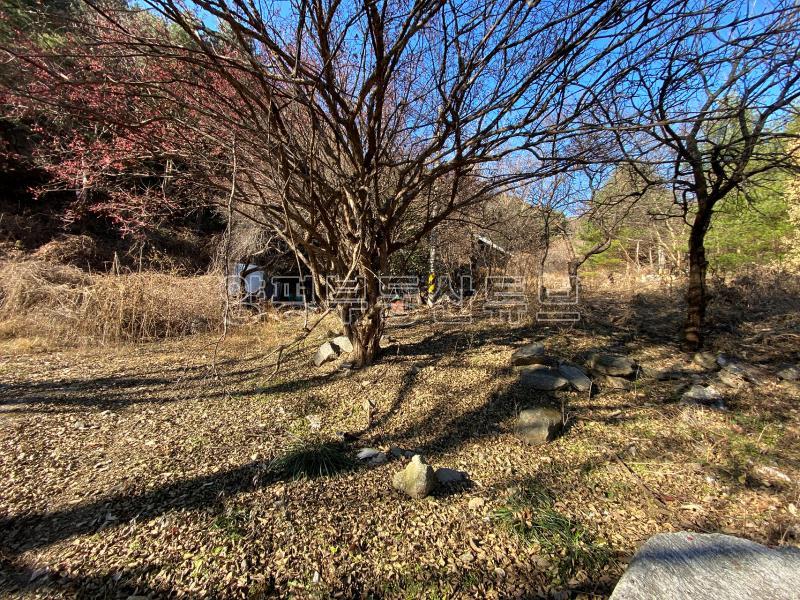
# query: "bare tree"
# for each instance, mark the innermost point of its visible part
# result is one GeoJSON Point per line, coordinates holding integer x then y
{"type": "Point", "coordinates": [596, 199]}
{"type": "Point", "coordinates": [362, 126]}
{"type": "Point", "coordinates": [708, 116]}
{"type": "Point", "coordinates": [359, 127]}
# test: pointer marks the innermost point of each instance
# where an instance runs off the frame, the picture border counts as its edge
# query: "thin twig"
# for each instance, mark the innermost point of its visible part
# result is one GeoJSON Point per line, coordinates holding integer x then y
{"type": "Point", "coordinates": [226, 260]}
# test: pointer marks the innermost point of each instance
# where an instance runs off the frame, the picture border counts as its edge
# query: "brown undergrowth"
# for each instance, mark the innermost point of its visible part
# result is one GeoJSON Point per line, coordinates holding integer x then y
{"type": "Point", "coordinates": [46, 304]}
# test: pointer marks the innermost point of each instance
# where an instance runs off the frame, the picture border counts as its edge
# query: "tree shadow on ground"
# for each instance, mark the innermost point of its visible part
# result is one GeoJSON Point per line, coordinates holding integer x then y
{"type": "Point", "coordinates": [417, 582]}
{"type": "Point", "coordinates": [489, 418]}
{"type": "Point", "coordinates": [427, 352]}
{"type": "Point", "coordinates": [480, 422]}
{"type": "Point", "coordinates": [122, 583]}
{"type": "Point", "coordinates": [25, 532]}
{"type": "Point", "coordinates": [281, 386]}
{"type": "Point", "coordinates": [115, 392]}
{"type": "Point", "coordinates": [656, 316]}
{"type": "Point", "coordinates": [449, 339]}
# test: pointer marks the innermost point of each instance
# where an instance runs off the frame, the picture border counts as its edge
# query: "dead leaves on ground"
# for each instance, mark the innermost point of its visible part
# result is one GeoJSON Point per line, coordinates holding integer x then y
{"type": "Point", "coordinates": [134, 471]}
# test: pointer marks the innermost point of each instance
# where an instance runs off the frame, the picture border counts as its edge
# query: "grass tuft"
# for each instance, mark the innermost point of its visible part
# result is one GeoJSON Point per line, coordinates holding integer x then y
{"type": "Point", "coordinates": [311, 458]}
{"type": "Point", "coordinates": [232, 522]}
{"type": "Point", "coordinates": [529, 513]}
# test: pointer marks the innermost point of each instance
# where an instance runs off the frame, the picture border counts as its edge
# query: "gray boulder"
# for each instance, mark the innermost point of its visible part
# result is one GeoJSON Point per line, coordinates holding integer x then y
{"type": "Point", "coordinates": [609, 382]}
{"type": "Point", "coordinates": [789, 374]}
{"type": "Point", "coordinates": [736, 368]}
{"type": "Point", "coordinates": [705, 360]}
{"type": "Point", "coordinates": [611, 364]}
{"type": "Point", "coordinates": [378, 459]}
{"type": "Point", "coordinates": [398, 452]}
{"type": "Point", "coordinates": [671, 375]}
{"type": "Point", "coordinates": [367, 453]}
{"type": "Point", "coordinates": [326, 353]}
{"type": "Point", "coordinates": [697, 566]}
{"type": "Point", "coordinates": [744, 370]}
{"type": "Point", "coordinates": [447, 476]}
{"type": "Point", "coordinates": [576, 377]}
{"type": "Point", "coordinates": [538, 425]}
{"type": "Point", "coordinates": [700, 394]}
{"type": "Point", "coordinates": [342, 343]}
{"type": "Point", "coordinates": [532, 354]}
{"type": "Point", "coordinates": [769, 476]}
{"type": "Point", "coordinates": [416, 479]}
{"type": "Point", "coordinates": [542, 378]}
{"type": "Point", "coordinates": [731, 380]}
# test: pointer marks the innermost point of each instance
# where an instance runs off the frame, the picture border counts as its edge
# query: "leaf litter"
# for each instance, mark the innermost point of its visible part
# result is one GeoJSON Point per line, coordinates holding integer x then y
{"type": "Point", "coordinates": [135, 471]}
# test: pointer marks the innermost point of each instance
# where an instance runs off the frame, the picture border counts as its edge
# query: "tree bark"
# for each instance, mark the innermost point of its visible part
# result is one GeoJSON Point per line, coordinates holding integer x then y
{"type": "Point", "coordinates": [697, 292]}
{"type": "Point", "coordinates": [366, 341]}
{"type": "Point", "coordinates": [572, 273]}
{"type": "Point", "coordinates": [364, 328]}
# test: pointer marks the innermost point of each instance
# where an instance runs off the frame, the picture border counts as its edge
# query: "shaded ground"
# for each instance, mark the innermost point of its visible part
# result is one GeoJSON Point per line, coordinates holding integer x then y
{"type": "Point", "coordinates": [143, 470]}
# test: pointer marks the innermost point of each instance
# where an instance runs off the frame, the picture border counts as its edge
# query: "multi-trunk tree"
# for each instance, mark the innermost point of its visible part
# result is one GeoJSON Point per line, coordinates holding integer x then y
{"type": "Point", "coordinates": [353, 129]}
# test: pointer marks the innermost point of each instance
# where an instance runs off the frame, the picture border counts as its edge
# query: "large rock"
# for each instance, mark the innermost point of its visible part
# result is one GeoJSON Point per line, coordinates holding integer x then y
{"type": "Point", "coordinates": [671, 375]}
{"type": "Point", "coordinates": [611, 364]}
{"type": "Point", "coordinates": [576, 377]}
{"type": "Point", "coordinates": [700, 394]}
{"type": "Point", "coordinates": [705, 360]}
{"type": "Point", "coordinates": [372, 456]}
{"type": "Point", "coordinates": [731, 380]}
{"type": "Point", "coordinates": [609, 382]}
{"type": "Point", "coordinates": [769, 476]}
{"type": "Point", "coordinates": [739, 369]}
{"type": "Point", "coordinates": [398, 452]}
{"type": "Point", "coordinates": [326, 353]}
{"type": "Point", "coordinates": [367, 453]}
{"type": "Point", "coordinates": [416, 480]}
{"type": "Point", "coordinates": [744, 370]}
{"type": "Point", "coordinates": [542, 378]}
{"type": "Point", "coordinates": [697, 566]}
{"type": "Point", "coordinates": [789, 374]}
{"type": "Point", "coordinates": [538, 425]}
{"type": "Point", "coordinates": [378, 459]}
{"type": "Point", "coordinates": [342, 343]}
{"type": "Point", "coordinates": [532, 354]}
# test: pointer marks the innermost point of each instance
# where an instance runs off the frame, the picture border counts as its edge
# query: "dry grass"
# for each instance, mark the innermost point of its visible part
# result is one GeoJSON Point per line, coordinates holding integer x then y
{"type": "Point", "coordinates": [78, 250]}
{"type": "Point", "coordinates": [762, 288]}
{"type": "Point", "coordinates": [46, 301]}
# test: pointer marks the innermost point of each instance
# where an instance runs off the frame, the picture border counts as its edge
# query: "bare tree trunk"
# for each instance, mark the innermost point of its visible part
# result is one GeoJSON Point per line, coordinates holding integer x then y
{"type": "Point", "coordinates": [697, 293]}
{"type": "Point", "coordinates": [364, 329]}
{"type": "Point", "coordinates": [576, 261]}
{"type": "Point", "coordinates": [365, 337]}
{"type": "Point", "coordinates": [572, 273]}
